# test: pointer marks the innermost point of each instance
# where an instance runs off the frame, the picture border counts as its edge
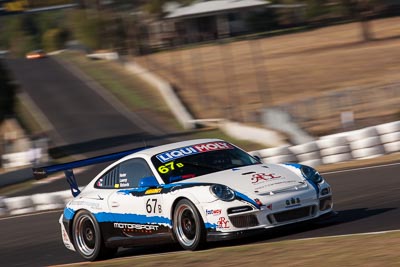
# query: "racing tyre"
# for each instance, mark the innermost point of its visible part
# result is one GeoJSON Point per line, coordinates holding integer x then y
{"type": "Point", "coordinates": [188, 226]}
{"type": "Point", "coordinates": [87, 237]}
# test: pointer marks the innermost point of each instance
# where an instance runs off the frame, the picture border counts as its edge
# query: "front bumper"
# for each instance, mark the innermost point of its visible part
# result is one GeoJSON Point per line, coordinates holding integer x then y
{"type": "Point", "coordinates": [220, 236]}
{"type": "Point", "coordinates": [258, 220]}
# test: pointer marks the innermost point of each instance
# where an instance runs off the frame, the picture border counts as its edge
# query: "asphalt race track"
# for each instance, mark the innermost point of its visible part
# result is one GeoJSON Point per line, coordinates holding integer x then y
{"type": "Point", "coordinates": [81, 117]}
{"type": "Point", "coordinates": [367, 201]}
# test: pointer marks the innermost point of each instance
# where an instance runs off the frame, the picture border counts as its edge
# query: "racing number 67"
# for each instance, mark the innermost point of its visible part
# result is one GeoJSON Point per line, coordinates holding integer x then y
{"type": "Point", "coordinates": [151, 205]}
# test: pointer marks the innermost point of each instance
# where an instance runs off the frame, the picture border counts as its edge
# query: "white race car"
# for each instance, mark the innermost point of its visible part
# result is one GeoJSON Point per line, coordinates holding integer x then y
{"type": "Point", "coordinates": [189, 192]}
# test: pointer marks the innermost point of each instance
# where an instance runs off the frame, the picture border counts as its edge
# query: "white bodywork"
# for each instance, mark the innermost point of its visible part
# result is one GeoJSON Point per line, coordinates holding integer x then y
{"type": "Point", "coordinates": [266, 195]}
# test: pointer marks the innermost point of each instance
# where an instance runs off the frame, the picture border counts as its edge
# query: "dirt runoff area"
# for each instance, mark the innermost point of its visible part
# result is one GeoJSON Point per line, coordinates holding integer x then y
{"type": "Point", "coordinates": [376, 249]}
{"type": "Point", "coordinates": [238, 78]}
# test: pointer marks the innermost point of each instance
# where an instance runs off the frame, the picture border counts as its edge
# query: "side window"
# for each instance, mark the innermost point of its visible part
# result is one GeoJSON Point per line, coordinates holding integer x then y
{"type": "Point", "coordinates": [131, 171]}
{"type": "Point", "coordinates": [109, 180]}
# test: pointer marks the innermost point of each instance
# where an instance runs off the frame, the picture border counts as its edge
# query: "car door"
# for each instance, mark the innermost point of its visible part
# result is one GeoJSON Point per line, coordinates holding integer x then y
{"type": "Point", "coordinates": [136, 210]}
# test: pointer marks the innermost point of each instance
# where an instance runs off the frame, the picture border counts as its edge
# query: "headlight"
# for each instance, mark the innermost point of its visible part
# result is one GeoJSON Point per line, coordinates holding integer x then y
{"type": "Point", "coordinates": [311, 174]}
{"type": "Point", "coordinates": [222, 192]}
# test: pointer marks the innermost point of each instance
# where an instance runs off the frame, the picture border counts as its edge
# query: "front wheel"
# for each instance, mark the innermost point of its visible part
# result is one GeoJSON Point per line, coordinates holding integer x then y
{"type": "Point", "coordinates": [87, 237]}
{"type": "Point", "coordinates": [188, 226]}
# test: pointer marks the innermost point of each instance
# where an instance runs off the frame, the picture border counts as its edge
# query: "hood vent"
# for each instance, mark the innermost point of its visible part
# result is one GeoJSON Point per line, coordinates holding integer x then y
{"type": "Point", "coordinates": [247, 173]}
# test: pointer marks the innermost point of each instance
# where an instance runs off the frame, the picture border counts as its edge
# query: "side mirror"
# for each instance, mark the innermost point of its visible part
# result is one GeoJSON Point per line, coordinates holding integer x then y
{"type": "Point", "coordinates": [150, 181]}
{"type": "Point", "coordinates": [257, 158]}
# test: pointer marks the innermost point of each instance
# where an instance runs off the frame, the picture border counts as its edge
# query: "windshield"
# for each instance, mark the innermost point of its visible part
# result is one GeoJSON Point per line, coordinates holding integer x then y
{"type": "Point", "coordinates": [193, 161]}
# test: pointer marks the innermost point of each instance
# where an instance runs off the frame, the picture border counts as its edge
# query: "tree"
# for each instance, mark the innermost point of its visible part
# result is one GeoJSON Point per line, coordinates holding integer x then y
{"type": "Point", "coordinates": [54, 39]}
{"type": "Point", "coordinates": [362, 11]}
{"type": "Point", "coordinates": [7, 93]}
{"type": "Point", "coordinates": [86, 26]}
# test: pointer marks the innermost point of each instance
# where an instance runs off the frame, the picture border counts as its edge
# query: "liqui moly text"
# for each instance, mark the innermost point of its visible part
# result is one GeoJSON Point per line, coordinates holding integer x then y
{"type": "Point", "coordinates": [191, 150]}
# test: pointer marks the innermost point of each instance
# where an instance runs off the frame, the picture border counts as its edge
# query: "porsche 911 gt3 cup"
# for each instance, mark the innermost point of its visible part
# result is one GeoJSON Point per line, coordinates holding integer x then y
{"type": "Point", "coordinates": [189, 192]}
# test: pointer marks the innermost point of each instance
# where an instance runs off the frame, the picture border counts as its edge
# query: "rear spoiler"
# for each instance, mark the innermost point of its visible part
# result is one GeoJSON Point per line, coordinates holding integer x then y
{"type": "Point", "coordinates": [43, 172]}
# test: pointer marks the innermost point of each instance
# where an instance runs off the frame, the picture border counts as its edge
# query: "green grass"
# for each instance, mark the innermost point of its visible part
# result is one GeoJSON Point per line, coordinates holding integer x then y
{"type": "Point", "coordinates": [130, 90]}
{"type": "Point", "coordinates": [121, 90]}
{"type": "Point", "coordinates": [26, 119]}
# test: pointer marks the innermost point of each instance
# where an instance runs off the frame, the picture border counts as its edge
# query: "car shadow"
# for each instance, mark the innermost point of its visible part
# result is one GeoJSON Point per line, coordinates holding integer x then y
{"type": "Point", "coordinates": [291, 231]}
{"type": "Point", "coordinates": [287, 232]}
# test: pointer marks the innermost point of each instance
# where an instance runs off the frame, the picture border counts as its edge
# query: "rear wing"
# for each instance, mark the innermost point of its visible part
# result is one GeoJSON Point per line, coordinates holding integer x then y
{"type": "Point", "coordinates": [43, 172]}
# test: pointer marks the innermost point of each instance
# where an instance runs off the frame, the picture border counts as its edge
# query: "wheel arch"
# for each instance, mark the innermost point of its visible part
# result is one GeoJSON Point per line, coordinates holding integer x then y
{"type": "Point", "coordinates": [173, 206]}
{"type": "Point", "coordinates": [71, 222]}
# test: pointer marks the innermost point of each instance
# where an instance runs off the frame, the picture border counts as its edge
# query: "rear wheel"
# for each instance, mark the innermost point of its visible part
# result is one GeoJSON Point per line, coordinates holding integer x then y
{"type": "Point", "coordinates": [188, 226]}
{"type": "Point", "coordinates": [87, 237]}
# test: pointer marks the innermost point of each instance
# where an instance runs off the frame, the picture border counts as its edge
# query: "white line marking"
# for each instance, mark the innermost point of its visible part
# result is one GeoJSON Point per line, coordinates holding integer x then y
{"type": "Point", "coordinates": [338, 236]}
{"type": "Point", "coordinates": [363, 168]}
{"type": "Point", "coordinates": [30, 214]}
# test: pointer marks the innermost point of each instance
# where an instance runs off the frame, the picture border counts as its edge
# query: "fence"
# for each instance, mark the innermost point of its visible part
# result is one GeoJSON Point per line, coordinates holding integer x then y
{"type": "Point", "coordinates": [347, 109]}
{"type": "Point", "coordinates": [360, 144]}
{"type": "Point", "coordinates": [364, 143]}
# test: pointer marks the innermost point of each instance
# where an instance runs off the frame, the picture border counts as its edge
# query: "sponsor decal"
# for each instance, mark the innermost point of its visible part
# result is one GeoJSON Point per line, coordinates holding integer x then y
{"type": "Point", "coordinates": [153, 191]}
{"type": "Point", "coordinates": [133, 227]}
{"type": "Point", "coordinates": [293, 202]}
{"type": "Point", "coordinates": [116, 185]}
{"type": "Point", "coordinates": [214, 212]}
{"type": "Point", "coordinates": [222, 223]}
{"type": "Point", "coordinates": [271, 184]}
{"type": "Point", "coordinates": [124, 182]}
{"type": "Point", "coordinates": [66, 240]}
{"type": "Point", "coordinates": [170, 166]}
{"type": "Point", "coordinates": [260, 177]}
{"type": "Point", "coordinates": [64, 235]}
{"type": "Point", "coordinates": [258, 201]}
{"type": "Point", "coordinates": [182, 177]}
{"type": "Point", "coordinates": [100, 182]}
{"type": "Point", "coordinates": [191, 150]}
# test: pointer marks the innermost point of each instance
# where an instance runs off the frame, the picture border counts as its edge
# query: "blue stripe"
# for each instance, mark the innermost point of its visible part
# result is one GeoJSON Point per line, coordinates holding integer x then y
{"type": "Point", "coordinates": [69, 213]}
{"type": "Point", "coordinates": [210, 226]}
{"type": "Point", "coordinates": [130, 218]}
{"type": "Point", "coordinates": [296, 165]}
{"type": "Point", "coordinates": [241, 196]}
{"type": "Point", "coordinates": [316, 187]}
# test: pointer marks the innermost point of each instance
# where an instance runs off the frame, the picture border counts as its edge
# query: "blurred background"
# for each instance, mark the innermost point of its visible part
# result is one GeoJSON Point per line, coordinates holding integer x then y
{"type": "Point", "coordinates": [304, 68]}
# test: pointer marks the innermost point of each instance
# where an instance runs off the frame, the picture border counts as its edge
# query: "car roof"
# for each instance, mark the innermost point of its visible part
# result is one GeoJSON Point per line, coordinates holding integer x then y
{"type": "Point", "coordinates": [162, 148]}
